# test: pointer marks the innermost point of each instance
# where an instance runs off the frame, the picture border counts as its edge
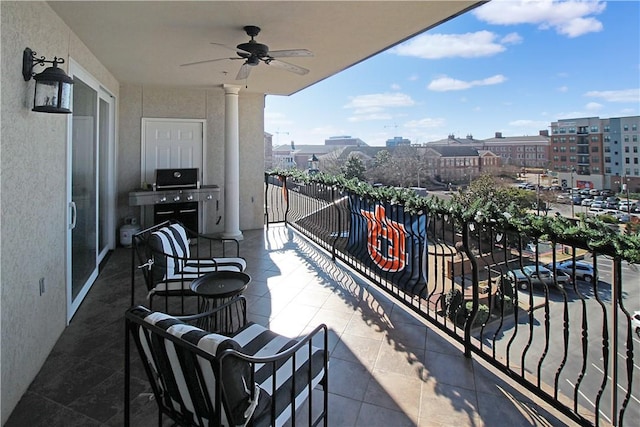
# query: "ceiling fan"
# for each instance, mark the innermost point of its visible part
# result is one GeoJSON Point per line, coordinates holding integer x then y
{"type": "Point", "coordinates": [253, 52]}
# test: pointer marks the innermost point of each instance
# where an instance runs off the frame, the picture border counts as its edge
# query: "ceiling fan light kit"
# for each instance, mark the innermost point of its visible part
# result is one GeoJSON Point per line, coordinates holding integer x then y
{"type": "Point", "coordinates": [253, 53]}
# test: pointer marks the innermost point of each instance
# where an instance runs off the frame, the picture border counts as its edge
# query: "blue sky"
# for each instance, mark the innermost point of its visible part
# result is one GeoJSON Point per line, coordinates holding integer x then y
{"type": "Point", "coordinates": [508, 66]}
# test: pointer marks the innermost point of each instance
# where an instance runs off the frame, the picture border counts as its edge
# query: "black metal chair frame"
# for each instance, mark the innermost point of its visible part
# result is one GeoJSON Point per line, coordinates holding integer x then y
{"type": "Point", "coordinates": [190, 354]}
{"type": "Point", "coordinates": [143, 258]}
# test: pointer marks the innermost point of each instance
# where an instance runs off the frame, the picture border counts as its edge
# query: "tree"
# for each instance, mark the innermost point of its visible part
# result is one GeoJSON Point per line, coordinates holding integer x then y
{"type": "Point", "coordinates": [379, 172]}
{"type": "Point", "coordinates": [488, 190]}
{"type": "Point", "coordinates": [354, 168]}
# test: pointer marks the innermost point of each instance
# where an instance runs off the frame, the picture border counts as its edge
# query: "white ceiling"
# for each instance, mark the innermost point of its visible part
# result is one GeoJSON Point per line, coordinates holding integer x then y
{"type": "Point", "coordinates": [144, 42]}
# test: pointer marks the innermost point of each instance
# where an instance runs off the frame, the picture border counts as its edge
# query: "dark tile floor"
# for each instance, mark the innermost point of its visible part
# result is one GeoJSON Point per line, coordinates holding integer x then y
{"type": "Point", "coordinates": [387, 367]}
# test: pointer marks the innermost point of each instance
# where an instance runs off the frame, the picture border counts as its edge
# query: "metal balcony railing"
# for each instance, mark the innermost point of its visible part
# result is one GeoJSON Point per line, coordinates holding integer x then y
{"type": "Point", "coordinates": [565, 334]}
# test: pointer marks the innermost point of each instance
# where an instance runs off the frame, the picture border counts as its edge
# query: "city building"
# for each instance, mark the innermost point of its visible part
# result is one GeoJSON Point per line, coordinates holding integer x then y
{"type": "Point", "coordinates": [397, 140]}
{"type": "Point", "coordinates": [591, 152]}
{"type": "Point", "coordinates": [521, 151]}
{"type": "Point", "coordinates": [345, 140]}
{"type": "Point", "coordinates": [268, 151]}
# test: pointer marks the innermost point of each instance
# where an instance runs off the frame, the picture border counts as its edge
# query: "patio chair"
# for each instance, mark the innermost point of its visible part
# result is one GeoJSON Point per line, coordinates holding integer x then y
{"type": "Point", "coordinates": [252, 377]}
{"type": "Point", "coordinates": [163, 253]}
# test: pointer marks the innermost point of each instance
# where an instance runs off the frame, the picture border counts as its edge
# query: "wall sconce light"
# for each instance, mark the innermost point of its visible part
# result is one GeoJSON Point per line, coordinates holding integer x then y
{"type": "Point", "coordinates": [53, 85]}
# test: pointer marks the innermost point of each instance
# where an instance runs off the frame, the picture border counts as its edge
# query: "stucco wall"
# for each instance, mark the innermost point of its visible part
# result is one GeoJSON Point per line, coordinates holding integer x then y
{"type": "Point", "coordinates": [33, 196]}
{"type": "Point", "coordinates": [137, 102]}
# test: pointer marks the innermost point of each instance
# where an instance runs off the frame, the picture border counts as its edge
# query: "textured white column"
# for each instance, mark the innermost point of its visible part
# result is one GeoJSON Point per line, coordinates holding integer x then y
{"type": "Point", "coordinates": [231, 163]}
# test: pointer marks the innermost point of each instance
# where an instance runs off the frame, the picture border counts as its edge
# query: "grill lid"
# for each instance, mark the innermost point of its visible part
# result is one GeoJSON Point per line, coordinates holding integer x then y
{"type": "Point", "coordinates": [176, 178]}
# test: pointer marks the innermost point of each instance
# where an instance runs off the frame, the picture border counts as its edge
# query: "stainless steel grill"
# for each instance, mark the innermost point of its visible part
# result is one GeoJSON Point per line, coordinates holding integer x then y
{"type": "Point", "coordinates": [177, 195]}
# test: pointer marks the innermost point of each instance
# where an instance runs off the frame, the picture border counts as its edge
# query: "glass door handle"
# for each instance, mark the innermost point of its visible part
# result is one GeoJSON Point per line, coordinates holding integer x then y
{"type": "Point", "coordinates": [74, 215]}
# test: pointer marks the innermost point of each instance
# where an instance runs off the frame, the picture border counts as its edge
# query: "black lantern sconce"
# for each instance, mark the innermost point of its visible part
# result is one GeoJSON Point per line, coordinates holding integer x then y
{"type": "Point", "coordinates": [53, 85]}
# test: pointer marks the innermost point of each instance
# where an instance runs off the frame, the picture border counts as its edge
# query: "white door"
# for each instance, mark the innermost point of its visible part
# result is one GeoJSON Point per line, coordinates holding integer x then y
{"type": "Point", "coordinates": [171, 143]}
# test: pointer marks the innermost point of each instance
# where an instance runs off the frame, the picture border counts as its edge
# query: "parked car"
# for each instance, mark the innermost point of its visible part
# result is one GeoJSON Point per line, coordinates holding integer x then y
{"type": "Point", "coordinates": [606, 193]}
{"type": "Point", "coordinates": [586, 202]}
{"type": "Point", "coordinates": [537, 276]}
{"type": "Point", "coordinates": [597, 205]}
{"type": "Point", "coordinates": [612, 202]}
{"type": "Point", "coordinates": [584, 270]}
{"type": "Point", "coordinates": [576, 200]}
{"type": "Point", "coordinates": [626, 206]}
{"type": "Point", "coordinates": [635, 322]}
{"type": "Point", "coordinates": [594, 192]}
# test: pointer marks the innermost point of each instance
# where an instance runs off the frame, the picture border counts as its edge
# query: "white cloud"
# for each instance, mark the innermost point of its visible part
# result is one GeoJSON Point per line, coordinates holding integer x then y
{"type": "Point", "coordinates": [413, 78]}
{"type": "Point", "coordinates": [512, 38]}
{"type": "Point", "coordinates": [275, 119]}
{"type": "Point", "coordinates": [571, 18]}
{"type": "Point", "coordinates": [593, 106]}
{"type": "Point", "coordinates": [626, 95]}
{"type": "Point", "coordinates": [395, 86]}
{"type": "Point", "coordinates": [469, 45]}
{"type": "Point", "coordinates": [445, 83]}
{"type": "Point", "coordinates": [427, 122]}
{"type": "Point", "coordinates": [374, 106]}
{"type": "Point", "coordinates": [563, 89]}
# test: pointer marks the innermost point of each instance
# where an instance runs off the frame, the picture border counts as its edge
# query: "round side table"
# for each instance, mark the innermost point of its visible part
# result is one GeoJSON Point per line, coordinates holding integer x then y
{"type": "Point", "coordinates": [213, 290]}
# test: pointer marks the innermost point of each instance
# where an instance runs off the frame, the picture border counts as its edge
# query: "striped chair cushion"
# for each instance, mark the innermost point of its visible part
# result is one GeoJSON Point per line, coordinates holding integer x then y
{"type": "Point", "coordinates": [256, 340]}
{"type": "Point", "coordinates": [173, 242]}
{"type": "Point", "coordinates": [180, 377]}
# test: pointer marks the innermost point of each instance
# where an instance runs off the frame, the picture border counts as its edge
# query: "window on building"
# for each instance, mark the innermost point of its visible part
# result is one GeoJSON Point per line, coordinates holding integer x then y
{"type": "Point", "coordinates": [607, 149]}
{"type": "Point", "coordinates": [573, 149]}
{"type": "Point", "coordinates": [626, 138]}
{"type": "Point", "coordinates": [571, 130]}
{"type": "Point", "coordinates": [635, 160]}
{"type": "Point", "coordinates": [626, 149]}
{"type": "Point", "coordinates": [607, 159]}
{"type": "Point", "coordinates": [556, 158]}
{"type": "Point", "coordinates": [572, 139]}
{"type": "Point", "coordinates": [594, 128]}
{"type": "Point", "coordinates": [563, 149]}
{"type": "Point", "coordinates": [625, 128]}
{"type": "Point", "coordinates": [594, 138]}
{"type": "Point", "coordinates": [594, 149]}
{"type": "Point", "coordinates": [634, 138]}
{"type": "Point", "coordinates": [627, 160]}
{"type": "Point", "coordinates": [606, 128]}
{"type": "Point", "coordinates": [563, 158]}
{"type": "Point", "coordinates": [627, 171]}
{"type": "Point", "coordinates": [635, 149]}
{"type": "Point", "coordinates": [634, 127]}
{"type": "Point", "coordinates": [563, 130]}
{"type": "Point", "coordinates": [607, 170]}
{"type": "Point", "coordinates": [607, 138]}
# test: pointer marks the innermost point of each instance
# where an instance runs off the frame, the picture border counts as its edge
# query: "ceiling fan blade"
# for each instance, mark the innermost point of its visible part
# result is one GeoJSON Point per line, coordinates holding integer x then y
{"type": "Point", "coordinates": [244, 71]}
{"type": "Point", "coordinates": [290, 53]}
{"type": "Point", "coordinates": [205, 61]}
{"type": "Point", "coordinates": [286, 66]}
{"type": "Point", "coordinates": [225, 46]}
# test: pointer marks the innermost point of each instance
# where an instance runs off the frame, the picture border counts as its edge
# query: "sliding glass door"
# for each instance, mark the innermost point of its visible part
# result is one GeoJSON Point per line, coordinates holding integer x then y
{"type": "Point", "coordinates": [90, 184]}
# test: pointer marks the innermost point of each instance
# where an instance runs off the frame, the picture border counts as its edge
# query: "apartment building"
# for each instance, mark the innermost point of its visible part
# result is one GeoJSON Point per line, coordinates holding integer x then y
{"type": "Point", "coordinates": [591, 152]}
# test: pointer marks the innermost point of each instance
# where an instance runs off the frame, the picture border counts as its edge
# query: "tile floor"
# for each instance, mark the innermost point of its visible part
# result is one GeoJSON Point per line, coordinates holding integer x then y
{"type": "Point", "coordinates": [387, 367]}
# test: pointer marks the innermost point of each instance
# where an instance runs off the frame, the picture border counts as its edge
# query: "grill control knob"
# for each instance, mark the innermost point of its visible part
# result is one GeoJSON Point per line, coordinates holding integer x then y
{"type": "Point", "coordinates": [190, 197]}
{"type": "Point", "coordinates": [162, 199]}
{"type": "Point", "coordinates": [176, 199]}
{"type": "Point", "coordinates": [209, 197]}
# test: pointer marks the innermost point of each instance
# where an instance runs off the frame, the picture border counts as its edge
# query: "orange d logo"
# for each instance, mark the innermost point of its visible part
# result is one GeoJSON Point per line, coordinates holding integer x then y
{"type": "Point", "coordinates": [386, 240]}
